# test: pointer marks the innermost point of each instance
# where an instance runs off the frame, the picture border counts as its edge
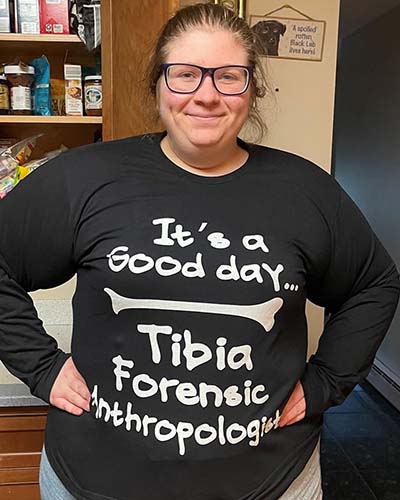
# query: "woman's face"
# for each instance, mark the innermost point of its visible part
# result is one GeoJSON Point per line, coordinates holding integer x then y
{"type": "Point", "coordinates": [206, 117]}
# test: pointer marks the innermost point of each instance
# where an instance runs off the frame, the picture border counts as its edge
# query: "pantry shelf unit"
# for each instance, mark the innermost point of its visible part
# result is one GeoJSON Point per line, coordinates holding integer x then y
{"type": "Point", "coordinates": [71, 131]}
{"type": "Point", "coordinates": [81, 120]}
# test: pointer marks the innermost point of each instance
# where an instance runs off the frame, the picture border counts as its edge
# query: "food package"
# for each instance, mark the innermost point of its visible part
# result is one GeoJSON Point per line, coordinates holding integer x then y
{"type": "Point", "coordinates": [25, 169]}
{"type": "Point", "coordinates": [7, 166]}
{"type": "Point", "coordinates": [54, 17]}
{"type": "Point", "coordinates": [57, 91]}
{"type": "Point", "coordinates": [7, 183]}
{"type": "Point", "coordinates": [73, 89]}
{"type": "Point", "coordinates": [27, 16]}
{"type": "Point", "coordinates": [41, 87]}
{"type": "Point", "coordinates": [22, 150]}
{"type": "Point", "coordinates": [17, 154]}
{"type": "Point", "coordinates": [6, 143]}
{"type": "Point", "coordinates": [5, 17]}
{"type": "Point", "coordinates": [19, 173]}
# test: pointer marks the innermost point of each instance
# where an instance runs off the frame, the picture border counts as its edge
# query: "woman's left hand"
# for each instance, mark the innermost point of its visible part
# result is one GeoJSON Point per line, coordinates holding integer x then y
{"type": "Point", "coordinates": [295, 408]}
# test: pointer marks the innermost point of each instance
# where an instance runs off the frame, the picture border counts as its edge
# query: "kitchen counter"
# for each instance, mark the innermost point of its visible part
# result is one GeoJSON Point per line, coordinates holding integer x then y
{"type": "Point", "coordinates": [18, 395]}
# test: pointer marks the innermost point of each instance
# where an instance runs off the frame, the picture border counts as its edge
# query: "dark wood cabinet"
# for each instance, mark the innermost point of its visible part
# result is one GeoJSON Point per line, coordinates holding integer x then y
{"type": "Point", "coordinates": [21, 440]}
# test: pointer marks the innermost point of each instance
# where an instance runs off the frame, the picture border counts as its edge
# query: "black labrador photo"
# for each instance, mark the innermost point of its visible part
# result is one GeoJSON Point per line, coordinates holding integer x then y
{"type": "Point", "coordinates": [270, 33]}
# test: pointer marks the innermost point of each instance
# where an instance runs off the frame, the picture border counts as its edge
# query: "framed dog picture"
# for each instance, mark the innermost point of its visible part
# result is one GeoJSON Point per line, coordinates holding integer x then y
{"type": "Point", "coordinates": [289, 37]}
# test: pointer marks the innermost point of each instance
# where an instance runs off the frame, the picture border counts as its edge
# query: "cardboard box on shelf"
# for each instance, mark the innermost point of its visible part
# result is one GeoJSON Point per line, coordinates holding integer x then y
{"type": "Point", "coordinates": [27, 16]}
{"type": "Point", "coordinates": [5, 16]}
{"type": "Point", "coordinates": [54, 17]}
{"type": "Point", "coordinates": [73, 89]}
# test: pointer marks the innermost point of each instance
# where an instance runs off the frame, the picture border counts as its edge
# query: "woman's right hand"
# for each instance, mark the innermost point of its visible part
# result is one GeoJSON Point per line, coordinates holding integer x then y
{"type": "Point", "coordinates": [70, 392]}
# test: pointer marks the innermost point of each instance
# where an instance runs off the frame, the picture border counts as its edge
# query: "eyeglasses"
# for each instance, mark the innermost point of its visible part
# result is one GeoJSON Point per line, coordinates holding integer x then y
{"type": "Point", "coordinates": [187, 78]}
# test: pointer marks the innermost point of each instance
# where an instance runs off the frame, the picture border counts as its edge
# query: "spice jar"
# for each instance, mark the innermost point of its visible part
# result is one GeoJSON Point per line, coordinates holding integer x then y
{"type": "Point", "coordinates": [20, 79]}
{"type": "Point", "coordinates": [93, 95]}
{"type": "Point", "coordinates": [4, 96]}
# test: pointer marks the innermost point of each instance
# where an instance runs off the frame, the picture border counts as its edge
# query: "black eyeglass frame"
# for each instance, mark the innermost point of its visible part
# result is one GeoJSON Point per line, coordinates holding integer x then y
{"type": "Point", "coordinates": [205, 71]}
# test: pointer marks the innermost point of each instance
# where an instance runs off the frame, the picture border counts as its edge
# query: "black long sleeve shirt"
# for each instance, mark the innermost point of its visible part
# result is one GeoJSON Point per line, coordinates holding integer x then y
{"type": "Point", "coordinates": [189, 319]}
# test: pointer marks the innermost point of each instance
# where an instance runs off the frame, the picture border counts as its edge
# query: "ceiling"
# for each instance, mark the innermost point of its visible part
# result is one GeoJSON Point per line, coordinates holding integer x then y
{"type": "Point", "coordinates": [356, 13]}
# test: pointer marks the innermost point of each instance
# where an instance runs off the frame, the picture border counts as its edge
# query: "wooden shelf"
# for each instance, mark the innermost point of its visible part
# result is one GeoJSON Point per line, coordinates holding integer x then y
{"type": "Point", "coordinates": [14, 44]}
{"type": "Point", "coordinates": [50, 119]}
{"type": "Point", "coordinates": [21, 37]}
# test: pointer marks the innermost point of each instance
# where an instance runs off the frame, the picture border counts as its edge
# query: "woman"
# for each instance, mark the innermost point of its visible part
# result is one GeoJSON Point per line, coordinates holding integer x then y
{"type": "Point", "coordinates": [194, 253]}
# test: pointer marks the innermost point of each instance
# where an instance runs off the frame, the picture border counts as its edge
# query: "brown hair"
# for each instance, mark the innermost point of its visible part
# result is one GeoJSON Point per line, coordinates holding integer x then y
{"type": "Point", "coordinates": [214, 17]}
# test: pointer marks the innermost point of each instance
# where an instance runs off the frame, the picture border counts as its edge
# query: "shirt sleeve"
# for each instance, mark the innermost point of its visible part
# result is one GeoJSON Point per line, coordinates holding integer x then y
{"type": "Point", "coordinates": [36, 252]}
{"type": "Point", "coordinates": [360, 289]}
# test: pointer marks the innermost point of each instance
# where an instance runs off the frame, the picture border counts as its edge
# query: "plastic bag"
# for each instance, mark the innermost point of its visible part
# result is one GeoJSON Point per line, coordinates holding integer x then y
{"type": "Point", "coordinates": [22, 150]}
{"type": "Point", "coordinates": [25, 169]}
{"type": "Point", "coordinates": [86, 22]}
{"type": "Point", "coordinates": [7, 183]}
{"type": "Point", "coordinates": [41, 87]}
{"type": "Point", "coordinates": [17, 154]}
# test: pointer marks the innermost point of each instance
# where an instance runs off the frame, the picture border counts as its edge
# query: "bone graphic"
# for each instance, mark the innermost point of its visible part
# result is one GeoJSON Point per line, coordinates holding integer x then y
{"type": "Point", "coordinates": [263, 313]}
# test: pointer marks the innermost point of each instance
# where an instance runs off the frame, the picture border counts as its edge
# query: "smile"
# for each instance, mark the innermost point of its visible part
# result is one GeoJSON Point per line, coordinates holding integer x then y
{"type": "Point", "coordinates": [205, 117]}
